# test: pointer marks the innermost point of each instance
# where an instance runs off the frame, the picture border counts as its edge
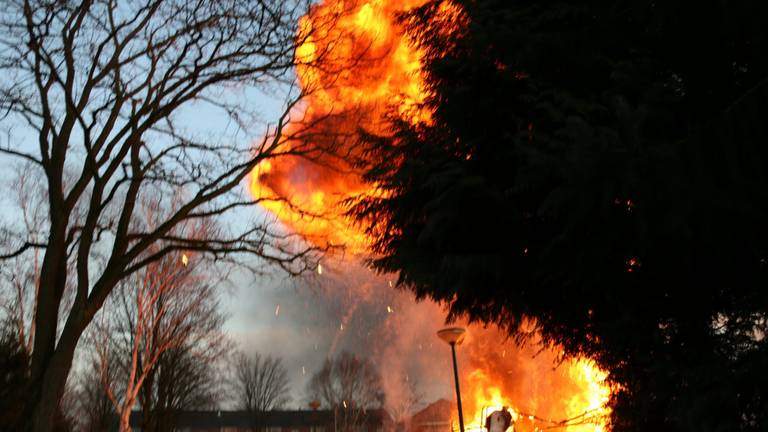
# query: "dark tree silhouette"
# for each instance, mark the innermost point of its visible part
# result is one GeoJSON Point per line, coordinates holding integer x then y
{"type": "Point", "coordinates": [14, 369]}
{"type": "Point", "coordinates": [259, 384]}
{"type": "Point", "coordinates": [181, 380]}
{"type": "Point", "coordinates": [14, 382]}
{"type": "Point", "coordinates": [349, 385]}
{"type": "Point", "coordinates": [599, 167]}
{"type": "Point", "coordinates": [94, 411]}
{"type": "Point", "coordinates": [97, 88]}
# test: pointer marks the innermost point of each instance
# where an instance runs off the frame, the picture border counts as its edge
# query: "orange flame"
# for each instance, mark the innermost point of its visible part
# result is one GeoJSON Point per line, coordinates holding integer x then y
{"type": "Point", "coordinates": [357, 64]}
{"type": "Point", "coordinates": [571, 397]}
{"type": "Point", "coordinates": [584, 410]}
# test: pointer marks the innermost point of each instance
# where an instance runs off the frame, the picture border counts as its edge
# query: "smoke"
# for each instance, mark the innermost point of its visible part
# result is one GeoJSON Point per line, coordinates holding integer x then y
{"type": "Point", "coordinates": [347, 307]}
{"type": "Point", "coordinates": [392, 329]}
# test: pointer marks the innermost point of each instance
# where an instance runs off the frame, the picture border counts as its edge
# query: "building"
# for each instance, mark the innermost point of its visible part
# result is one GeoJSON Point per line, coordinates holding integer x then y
{"type": "Point", "coordinates": [272, 421]}
{"type": "Point", "coordinates": [436, 417]}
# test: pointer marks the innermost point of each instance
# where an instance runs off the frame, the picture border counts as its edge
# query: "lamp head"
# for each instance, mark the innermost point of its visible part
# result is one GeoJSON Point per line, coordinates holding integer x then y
{"type": "Point", "coordinates": [452, 335]}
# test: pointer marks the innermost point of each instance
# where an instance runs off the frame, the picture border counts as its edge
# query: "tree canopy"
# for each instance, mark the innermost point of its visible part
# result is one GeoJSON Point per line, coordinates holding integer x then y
{"type": "Point", "coordinates": [349, 385]}
{"type": "Point", "coordinates": [96, 93]}
{"type": "Point", "coordinates": [259, 384]}
{"type": "Point", "coordinates": [598, 167]}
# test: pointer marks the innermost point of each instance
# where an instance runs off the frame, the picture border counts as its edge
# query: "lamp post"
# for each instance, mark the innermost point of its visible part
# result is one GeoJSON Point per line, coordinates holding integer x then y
{"type": "Point", "coordinates": [454, 336]}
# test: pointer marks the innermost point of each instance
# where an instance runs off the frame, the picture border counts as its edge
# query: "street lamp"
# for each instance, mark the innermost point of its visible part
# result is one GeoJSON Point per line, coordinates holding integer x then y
{"type": "Point", "coordinates": [454, 336]}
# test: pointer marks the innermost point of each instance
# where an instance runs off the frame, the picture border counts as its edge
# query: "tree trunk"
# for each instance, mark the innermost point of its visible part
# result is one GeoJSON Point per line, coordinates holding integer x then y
{"type": "Point", "coordinates": [48, 389]}
{"type": "Point", "coordinates": [48, 386]}
{"type": "Point", "coordinates": [49, 364]}
{"type": "Point", "coordinates": [125, 421]}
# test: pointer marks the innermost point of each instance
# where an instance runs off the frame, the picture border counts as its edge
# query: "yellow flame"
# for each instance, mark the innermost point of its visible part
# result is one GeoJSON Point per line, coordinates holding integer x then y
{"type": "Point", "coordinates": [587, 405]}
{"type": "Point", "coordinates": [368, 66]}
{"type": "Point", "coordinates": [593, 401]}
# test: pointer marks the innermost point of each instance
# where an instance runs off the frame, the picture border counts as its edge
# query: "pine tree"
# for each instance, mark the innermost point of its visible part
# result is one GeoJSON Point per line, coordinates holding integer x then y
{"type": "Point", "coordinates": [600, 167]}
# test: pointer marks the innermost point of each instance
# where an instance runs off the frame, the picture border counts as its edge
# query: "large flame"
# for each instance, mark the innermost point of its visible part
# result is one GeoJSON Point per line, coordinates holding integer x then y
{"type": "Point", "coordinates": [357, 64]}
{"type": "Point", "coordinates": [578, 405]}
{"type": "Point", "coordinates": [539, 391]}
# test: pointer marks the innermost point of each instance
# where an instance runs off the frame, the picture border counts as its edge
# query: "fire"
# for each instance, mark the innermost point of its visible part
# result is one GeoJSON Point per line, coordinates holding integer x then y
{"type": "Point", "coordinates": [571, 397]}
{"type": "Point", "coordinates": [367, 68]}
{"type": "Point", "coordinates": [593, 400]}
{"type": "Point", "coordinates": [485, 398]}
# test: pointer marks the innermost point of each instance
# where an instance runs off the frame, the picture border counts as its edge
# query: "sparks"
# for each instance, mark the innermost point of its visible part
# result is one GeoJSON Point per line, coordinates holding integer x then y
{"type": "Point", "coordinates": [633, 264]}
{"type": "Point", "coordinates": [319, 269]}
{"type": "Point", "coordinates": [184, 260]}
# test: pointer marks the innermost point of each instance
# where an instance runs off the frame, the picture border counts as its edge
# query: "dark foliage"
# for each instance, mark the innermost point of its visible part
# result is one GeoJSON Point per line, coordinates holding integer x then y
{"type": "Point", "coordinates": [14, 367]}
{"type": "Point", "coordinates": [14, 370]}
{"type": "Point", "coordinates": [94, 409]}
{"type": "Point", "coordinates": [599, 166]}
{"type": "Point", "coordinates": [180, 381]}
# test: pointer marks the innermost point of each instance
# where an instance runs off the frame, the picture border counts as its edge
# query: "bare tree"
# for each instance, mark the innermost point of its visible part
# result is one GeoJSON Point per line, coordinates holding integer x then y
{"type": "Point", "coordinates": [100, 85]}
{"type": "Point", "coordinates": [179, 381]}
{"type": "Point", "coordinates": [349, 385]}
{"type": "Point", "coordinates": [94, 410]}
{"type": "Point", "coordinates": [19, 275]}
{"type": "Point", "coordinates": [19, 281]}
{"type": "Point", "coordinates": [162, 312]}
{"type": "Point", "coordinates": [408, 399]}
{"type": "Point", "coordinates": [260, 384]}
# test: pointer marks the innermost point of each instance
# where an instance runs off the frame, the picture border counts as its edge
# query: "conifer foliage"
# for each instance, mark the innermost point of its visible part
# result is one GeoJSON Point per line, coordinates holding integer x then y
{"type": "Point", "coordinates": [600, 167]}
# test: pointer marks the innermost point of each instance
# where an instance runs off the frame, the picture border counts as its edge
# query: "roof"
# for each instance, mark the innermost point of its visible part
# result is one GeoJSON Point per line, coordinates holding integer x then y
{"type": "Point", "coordinates": [438, 411]}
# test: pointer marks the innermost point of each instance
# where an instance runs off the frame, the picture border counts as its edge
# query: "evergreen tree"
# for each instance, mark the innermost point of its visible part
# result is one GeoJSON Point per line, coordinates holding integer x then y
{"type": "Point", "coordinates": [599, 166]}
